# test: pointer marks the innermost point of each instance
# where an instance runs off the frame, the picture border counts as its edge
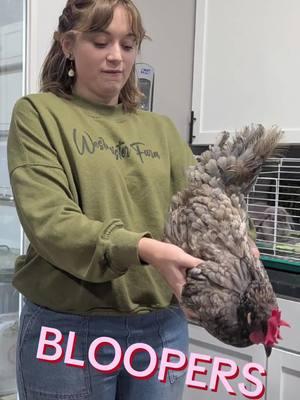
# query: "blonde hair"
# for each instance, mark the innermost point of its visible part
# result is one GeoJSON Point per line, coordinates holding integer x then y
{"type": "Point", "coordinates": [88, 16]}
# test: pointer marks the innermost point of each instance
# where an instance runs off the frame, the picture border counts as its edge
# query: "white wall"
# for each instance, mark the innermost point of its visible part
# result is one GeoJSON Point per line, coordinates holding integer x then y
{"type": "Point", "coordinates": [42, 21]}
{"type": "Point", "coordinates": [170, 23]}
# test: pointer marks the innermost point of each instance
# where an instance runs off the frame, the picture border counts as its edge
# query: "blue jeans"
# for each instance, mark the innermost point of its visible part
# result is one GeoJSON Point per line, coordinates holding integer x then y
{"type": "Point", "coordinates": [42, 380]}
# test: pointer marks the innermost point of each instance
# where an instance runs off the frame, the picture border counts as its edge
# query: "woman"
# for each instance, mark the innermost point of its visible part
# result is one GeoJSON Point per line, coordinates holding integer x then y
{"type": "Point", "coordinates": [92, 178]}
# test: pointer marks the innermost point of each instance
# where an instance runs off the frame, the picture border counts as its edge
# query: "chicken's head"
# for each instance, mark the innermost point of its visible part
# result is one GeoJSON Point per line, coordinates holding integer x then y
{"type": "Point", "coordinates": [272, 332]}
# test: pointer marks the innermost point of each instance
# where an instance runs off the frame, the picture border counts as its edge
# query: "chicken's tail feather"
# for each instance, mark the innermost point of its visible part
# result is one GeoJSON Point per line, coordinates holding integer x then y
{"type": "Point", "coordinates": [237, 162]}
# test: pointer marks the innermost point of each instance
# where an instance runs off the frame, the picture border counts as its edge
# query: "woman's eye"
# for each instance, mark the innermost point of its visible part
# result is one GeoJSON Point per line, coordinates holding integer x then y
{"type": "Point", "coordinates": [128, 47]}
{"type": "Point", "coordinates": [100, 45]}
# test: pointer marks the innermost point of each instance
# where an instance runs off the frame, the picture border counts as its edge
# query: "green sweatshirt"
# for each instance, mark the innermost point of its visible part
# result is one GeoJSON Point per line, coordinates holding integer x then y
{"type": "Point", "coordinates": [89, 181]}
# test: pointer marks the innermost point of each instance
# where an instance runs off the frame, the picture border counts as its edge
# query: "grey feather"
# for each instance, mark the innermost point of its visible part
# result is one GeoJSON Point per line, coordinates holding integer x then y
{"type": "Point", "coordinates": [209, 220]}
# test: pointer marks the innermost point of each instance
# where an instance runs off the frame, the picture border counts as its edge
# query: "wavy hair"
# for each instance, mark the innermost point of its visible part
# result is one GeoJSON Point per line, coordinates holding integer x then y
{"type": "Point", "coordinates": [88, 16]}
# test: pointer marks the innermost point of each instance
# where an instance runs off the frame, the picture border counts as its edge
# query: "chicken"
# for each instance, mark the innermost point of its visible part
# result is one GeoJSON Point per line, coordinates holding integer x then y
{"type": "Point", "coordinates": [229, 294]}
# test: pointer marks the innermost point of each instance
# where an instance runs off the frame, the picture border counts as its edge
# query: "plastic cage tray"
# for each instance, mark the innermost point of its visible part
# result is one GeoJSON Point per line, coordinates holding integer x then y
{"type": "Point", "coordinates": [279, 264]}
{"type": "Point", "coordinates": [288, 262]}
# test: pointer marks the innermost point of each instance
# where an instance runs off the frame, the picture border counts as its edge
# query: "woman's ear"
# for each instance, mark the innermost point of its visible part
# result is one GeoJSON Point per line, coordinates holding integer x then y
{"type": "Point", "coordinates": [67, 43]}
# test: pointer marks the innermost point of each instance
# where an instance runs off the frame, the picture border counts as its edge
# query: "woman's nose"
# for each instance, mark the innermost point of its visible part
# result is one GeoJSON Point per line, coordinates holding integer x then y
{"type": "Point", "coordinates": [114, 54]}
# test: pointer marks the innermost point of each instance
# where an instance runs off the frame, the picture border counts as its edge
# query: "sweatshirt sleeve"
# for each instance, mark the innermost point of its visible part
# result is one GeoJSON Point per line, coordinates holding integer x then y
{"type": "Point", "coordinates": [94, 251]}
{"type": "Point", "coordinates": [181, 158]}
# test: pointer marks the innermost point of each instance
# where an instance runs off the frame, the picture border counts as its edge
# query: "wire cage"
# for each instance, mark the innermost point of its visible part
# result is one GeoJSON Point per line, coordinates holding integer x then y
{"type": "Point", "coordinates": [274, 207]}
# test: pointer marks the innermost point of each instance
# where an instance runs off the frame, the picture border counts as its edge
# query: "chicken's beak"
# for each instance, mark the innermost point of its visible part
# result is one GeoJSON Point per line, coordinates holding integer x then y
{"type": "Point", "coordinates": [268, 350]}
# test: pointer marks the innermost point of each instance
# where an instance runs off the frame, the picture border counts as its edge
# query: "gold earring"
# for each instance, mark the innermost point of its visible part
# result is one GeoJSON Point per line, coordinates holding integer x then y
{"type": "Point", "coordinates": [71, 72]}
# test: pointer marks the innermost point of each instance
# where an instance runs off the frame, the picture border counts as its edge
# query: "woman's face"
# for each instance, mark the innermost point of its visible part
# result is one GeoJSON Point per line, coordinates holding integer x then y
{"type": "Point", "coordinates": [103, 61]}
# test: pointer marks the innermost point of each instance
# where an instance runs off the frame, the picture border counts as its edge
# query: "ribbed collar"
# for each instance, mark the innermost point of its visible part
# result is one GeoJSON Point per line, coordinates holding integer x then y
{"type": "Point", "coordinates": [98, 109]}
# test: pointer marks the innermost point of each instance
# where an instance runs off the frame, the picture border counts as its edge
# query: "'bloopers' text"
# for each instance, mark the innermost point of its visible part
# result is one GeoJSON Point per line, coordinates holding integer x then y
{"type": "Point", "coordinates": [223, 370]}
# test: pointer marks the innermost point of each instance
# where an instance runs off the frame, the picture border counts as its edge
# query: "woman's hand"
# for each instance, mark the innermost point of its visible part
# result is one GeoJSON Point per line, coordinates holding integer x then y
{"type": "Point", "coordinates": [170, 260]}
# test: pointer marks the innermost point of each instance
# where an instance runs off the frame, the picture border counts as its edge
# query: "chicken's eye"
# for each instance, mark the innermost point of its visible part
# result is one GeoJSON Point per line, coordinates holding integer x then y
{"type": "Point", "coordinates": [249, 319]}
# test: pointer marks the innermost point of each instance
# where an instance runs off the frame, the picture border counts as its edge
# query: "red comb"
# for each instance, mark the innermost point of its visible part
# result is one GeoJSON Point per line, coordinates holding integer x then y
{"type": "Point", "coordinates": [274, 324]}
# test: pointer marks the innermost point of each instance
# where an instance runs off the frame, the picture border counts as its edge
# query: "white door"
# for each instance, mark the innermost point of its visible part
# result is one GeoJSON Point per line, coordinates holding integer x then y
{"type": "Point", "coordinates": [205, 345]}
{"type": "Point", "coordinates": [283, 376]}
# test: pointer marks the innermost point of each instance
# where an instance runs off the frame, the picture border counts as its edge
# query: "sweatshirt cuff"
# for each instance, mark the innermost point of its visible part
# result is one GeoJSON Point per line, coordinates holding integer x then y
{"type": "Point", "coordinates": [123, 252]}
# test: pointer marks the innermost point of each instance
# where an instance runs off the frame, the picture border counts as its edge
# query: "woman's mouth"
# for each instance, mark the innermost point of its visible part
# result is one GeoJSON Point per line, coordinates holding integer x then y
{"type": "Point", "coordinates": [113, 72]}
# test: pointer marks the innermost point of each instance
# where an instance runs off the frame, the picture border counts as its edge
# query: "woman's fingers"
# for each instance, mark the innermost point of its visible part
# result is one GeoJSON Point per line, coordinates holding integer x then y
{"type": "Point", "coordinates": [255, 252]}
